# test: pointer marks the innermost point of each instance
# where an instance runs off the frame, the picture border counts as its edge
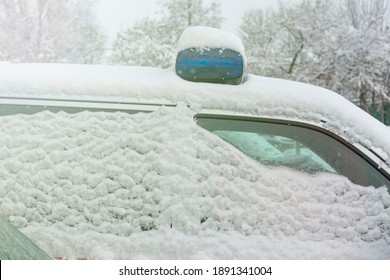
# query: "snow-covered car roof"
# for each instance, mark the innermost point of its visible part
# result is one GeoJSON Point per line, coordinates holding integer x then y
{"type": "Point", "coordinates": [256, 96]}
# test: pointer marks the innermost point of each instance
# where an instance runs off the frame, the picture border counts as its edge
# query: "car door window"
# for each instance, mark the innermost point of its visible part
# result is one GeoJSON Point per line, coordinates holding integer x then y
{"type": "Point", "coordinates": [275, 150]}
{"type": "Point", "coordinates": [295, 145]}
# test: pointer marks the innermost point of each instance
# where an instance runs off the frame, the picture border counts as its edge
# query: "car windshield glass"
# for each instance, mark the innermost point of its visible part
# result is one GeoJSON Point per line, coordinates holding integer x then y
{"type": "Point", "coordinates": [16, 246]}
{"type": "Point", "coordinates": [295, 146]}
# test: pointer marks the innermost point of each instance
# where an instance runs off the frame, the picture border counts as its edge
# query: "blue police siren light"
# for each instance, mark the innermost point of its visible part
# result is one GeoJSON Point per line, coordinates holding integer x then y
{"type": "Point", "coordinates": [210, 65]}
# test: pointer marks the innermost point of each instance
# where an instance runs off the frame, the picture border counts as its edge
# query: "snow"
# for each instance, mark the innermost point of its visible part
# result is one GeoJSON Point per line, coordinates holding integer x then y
{"type": "Point", "coordinates": [101, 185]}
{"type": "Point", "coordinates": [208, 37]}
{"type": "Point", "coordinates": [257, 96]}
{"type": "Point", "coordinates": [156, 186]}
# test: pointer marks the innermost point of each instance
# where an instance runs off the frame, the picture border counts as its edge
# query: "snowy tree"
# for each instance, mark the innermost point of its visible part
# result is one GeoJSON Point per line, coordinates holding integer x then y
{"type": "Point", "coordinates": [284, 40]}
{"type": "Point", "coordinates": [152, 42]}
{"type": "Point", "coordinates": [343, 46]}
{"type": "Point", "coordinates": [49, 31]}
{"type": "Point", "coordinates": [180, 14]}
{"type": "Point", "coordinates": [369, 51]}
{"type": "Point", "coordinates": [144, 45]}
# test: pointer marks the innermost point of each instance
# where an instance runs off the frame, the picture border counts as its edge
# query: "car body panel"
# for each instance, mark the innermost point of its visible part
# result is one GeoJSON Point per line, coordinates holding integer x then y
{"type": "Point", "coordinates": [257, 96]}
{"type": "Point", "coordinates": [186, 167]}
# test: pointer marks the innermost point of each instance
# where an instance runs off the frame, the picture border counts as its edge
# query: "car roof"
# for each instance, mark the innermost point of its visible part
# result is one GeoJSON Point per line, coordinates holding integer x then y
{"type": "Point", "coordinates": [256, 96]}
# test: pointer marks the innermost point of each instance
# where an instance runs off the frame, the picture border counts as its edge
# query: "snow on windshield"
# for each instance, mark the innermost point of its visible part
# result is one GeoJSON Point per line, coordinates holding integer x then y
{"type": "Point", "coordinates": [118, 186]}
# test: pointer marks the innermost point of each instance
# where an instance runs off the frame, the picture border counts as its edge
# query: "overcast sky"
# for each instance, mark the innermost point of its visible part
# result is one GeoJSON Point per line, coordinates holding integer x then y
{"type": "Point", "coordinates": [117, 15]}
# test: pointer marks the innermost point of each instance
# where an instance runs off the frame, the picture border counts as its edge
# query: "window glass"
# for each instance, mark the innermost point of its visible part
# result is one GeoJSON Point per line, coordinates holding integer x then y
{"type": "Point", "coordinates": [276, 150]}
{"type": "Point", "coordinates": [14, 245]}
{"type": "Point", "coordinates": [295, 146]}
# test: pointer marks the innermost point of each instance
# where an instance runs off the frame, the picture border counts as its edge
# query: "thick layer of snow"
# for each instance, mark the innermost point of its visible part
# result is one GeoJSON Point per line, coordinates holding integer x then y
{"type": "Point", "coordinates": [258, 96]}
{"type": "Point", "coordinates": [208, 37]}
{"type": "Point", "coordinates": [119, 186]}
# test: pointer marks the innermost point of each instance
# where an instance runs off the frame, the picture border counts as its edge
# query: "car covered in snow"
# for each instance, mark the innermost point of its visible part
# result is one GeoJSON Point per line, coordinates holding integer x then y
{"type": "Point", "coordinates": [198, 161]}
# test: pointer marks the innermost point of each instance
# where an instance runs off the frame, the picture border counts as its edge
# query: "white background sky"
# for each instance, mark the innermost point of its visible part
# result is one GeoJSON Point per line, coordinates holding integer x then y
{"type": "Point", "coordinates": [117, 15]}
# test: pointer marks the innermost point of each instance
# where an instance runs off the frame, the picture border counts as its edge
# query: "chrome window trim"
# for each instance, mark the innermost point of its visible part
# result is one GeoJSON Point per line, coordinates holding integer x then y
{"type": "Point", "coordinates": [32, 105]}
